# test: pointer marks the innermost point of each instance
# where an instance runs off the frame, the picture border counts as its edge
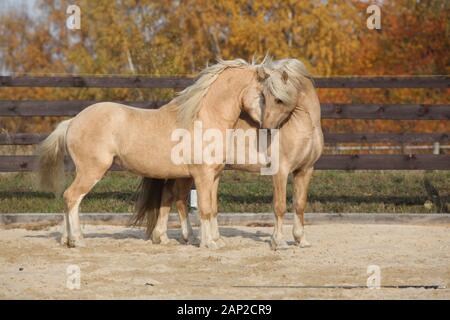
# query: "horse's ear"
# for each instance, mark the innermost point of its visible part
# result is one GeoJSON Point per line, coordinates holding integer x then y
{"type": "Point", "coordinates": [261, 73]}
{"type": "Point", "coordinates": [284, 76]}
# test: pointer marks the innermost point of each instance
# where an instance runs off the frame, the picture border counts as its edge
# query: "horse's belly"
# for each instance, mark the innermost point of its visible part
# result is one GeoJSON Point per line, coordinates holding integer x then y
{"type": "Point", "coordinates": [153, 166]}
{"type": "Point", "coordinates": [245, 167]}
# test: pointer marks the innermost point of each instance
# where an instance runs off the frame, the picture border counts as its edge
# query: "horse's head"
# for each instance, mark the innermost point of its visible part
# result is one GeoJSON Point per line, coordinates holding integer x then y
{"type": "Point", "coordinates": [281, 92]}
{"type": "Point", "coordinates": [270, 98]}
{"type": "Point", "coordinates": [273, 96]}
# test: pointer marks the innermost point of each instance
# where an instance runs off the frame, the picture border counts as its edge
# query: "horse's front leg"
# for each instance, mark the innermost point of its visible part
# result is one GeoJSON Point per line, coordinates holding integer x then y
{"type": "Point", "coordinates": [205, 184]}
{"type": "Point", "coordinates": [301, 183]}
{"type": "Point", "coordinates": [65, 230]}
{"type": "Point", "coordinates": [279, 181]}
{"type": "Point", "coordinates": [214, 224]}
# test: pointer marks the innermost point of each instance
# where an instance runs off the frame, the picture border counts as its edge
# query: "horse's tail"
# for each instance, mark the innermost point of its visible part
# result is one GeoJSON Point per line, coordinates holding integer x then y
{"type": "Point", "coordinates": [50, 154]}
{"type": "Point", "coordinates": [148, 203]}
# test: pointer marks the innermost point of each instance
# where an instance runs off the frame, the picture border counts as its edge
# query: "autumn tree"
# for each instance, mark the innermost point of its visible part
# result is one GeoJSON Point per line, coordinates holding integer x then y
{"type": "Point", "coordinates": [170, 37]}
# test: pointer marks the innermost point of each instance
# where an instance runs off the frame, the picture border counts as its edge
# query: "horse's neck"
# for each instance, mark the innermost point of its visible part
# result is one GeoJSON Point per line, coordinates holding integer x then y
{"type": "Point", "coordinates": [222, 104]}
{"type": "Point", "coordinates": [308, 109]}
{"type": "Point", "coordinates": [302, 134]}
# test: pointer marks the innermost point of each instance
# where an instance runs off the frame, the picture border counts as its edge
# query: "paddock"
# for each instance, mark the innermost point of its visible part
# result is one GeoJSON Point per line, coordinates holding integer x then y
{"type": "Point", "coordinates": [414, 259]}
{"type": "Point", "coordinates": [118, 262]}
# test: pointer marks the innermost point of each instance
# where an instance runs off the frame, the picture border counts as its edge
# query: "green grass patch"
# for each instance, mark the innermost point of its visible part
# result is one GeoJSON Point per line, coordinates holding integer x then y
{"type": "Point", "coordinates": [330, 191]}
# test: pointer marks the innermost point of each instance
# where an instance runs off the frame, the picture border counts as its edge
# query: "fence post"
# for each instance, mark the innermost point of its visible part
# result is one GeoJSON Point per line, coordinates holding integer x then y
{"type": "Point", "coordinates": [436, 147]}
{"type": "Point", "coordinates": [193, 199]}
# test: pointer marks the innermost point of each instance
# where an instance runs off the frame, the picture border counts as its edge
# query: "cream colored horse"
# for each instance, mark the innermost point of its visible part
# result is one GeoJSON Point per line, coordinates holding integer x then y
{"type": "Point", "coordinates": [301, 144]}
{"type": "Point", "coordinates": [140, 140]}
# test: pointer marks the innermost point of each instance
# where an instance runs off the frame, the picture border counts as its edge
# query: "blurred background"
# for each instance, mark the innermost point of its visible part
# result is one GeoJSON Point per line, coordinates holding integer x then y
{"type": "Point", "coordinates": [168, 37]}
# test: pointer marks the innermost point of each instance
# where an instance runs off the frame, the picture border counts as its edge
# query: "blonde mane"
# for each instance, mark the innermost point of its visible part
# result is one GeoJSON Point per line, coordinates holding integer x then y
{"type": "Point", "coordinates": [296, 70]}
{"type": "Point", "coordinates": [188, 102]}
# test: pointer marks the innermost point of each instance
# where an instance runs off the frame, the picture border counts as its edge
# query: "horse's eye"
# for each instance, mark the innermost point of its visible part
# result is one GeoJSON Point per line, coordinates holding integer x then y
{"type": "Point", "coordinates": [278, 101]}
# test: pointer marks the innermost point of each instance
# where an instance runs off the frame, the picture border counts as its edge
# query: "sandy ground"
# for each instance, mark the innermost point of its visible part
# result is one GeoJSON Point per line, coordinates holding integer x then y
{"type": "Point", "coordinates": [119, 263]}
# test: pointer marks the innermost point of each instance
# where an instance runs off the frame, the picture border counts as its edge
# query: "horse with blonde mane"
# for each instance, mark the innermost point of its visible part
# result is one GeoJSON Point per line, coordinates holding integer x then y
{"type": "Point", "coordinates": [140, 140]}
{"type": "Point", "coordinates": [301, 144]}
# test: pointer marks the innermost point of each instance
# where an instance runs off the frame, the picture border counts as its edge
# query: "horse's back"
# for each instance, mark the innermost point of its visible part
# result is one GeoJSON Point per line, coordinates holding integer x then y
{"type": "Point", "coordinates": [105, 112]}
{"type": "Point", "coordinates": [137, 139]}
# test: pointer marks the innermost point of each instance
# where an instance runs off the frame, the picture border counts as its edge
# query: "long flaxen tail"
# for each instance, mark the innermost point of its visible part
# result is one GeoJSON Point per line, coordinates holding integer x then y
{"type": "Point", "coordinates": [51, 153]}
{"type": "Point", "coordinates": [148, 203]}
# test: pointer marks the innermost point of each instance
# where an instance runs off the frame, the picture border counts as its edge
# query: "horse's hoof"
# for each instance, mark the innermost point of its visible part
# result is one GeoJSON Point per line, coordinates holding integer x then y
{"type": "Point", "coordinates": [189, 240]}
{"type": "Point", "coordinates": [209, 245]}
{"type": "Point", "coordinates": [303, 244]}
{"type": "Point", "coordinates": [220, 242]}
{"type": "Point", "coordinates": [77, 243]}
{"type": "Point", "coordinates": [64, 241]}
{"type": "Point", "coordinates": [163, 239]}
{"type": "Point", "coordinates": [168, 242]}
{"type": "Point", "coordinates": [278, 244]}
{"type": "Point", "coordinates": [158, 238]}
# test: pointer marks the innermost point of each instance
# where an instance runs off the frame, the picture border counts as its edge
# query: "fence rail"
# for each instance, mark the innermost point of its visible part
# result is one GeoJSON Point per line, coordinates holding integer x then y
{"type": "Point", "coordinates": [330, 138]}
{"type": "Point", "coordinates": [27, 108]}
{"type": "Point", "coordinates": [326, 162]}
{"type": "Point", "coordinates": [385, 137]}
{"type": "Point", "coordinates": [181, 82]}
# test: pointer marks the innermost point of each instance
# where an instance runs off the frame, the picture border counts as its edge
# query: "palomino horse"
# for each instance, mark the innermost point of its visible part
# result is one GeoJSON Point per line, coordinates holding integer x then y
{"type": "Point", "coordinates": [141, 142]}
{"type": "Point", "coordinates": [301, 144]}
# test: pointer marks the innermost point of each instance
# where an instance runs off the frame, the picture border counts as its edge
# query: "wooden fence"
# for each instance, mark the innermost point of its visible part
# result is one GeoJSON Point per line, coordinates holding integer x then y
{"type": "Point", "coordinates": [28, 108]}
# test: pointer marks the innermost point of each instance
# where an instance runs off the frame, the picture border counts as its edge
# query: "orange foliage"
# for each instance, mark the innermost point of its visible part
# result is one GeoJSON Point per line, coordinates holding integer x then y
{"type": "Point", "coordinates": [170, 37]}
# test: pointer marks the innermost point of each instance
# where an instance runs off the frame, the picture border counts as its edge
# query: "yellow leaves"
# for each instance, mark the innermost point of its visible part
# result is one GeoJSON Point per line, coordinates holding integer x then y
{"type": "Point", "coordinates": [169, 37]}
{"type": "Point", "coordinates": [329, 35]}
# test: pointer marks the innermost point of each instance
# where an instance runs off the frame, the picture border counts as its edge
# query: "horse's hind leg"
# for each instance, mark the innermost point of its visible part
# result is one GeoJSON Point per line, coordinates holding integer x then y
{"type": "Point", "coordinates": [86, 178]}
{"type": "Point", "coordinates": [159, 234]}
{"type": "Point", "coordinates": [182, 189]}
{"type": "Point", "coordinates": [187, 234]}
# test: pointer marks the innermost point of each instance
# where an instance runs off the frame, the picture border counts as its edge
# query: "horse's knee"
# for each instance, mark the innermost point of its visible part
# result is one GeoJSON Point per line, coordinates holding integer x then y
{"type": "Point", "coordinates": [68, 198]}
{"type": "Point", "coordinates": [206, 215]}
{"type": "Point", "coordinates": [66, 195]}
{"type": "Point", "coordinates": [181, 207]}
{"type": "Point", "coordinates": [206, 212]}
{"type": "Point", "coordinates": [72, 197]}
{"type": "Point", "coordinates": [279, 208]}
{"type": "Point", "coordinates": [299, 206]}
{"type": "Point", "coordinates": [214, 212]}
